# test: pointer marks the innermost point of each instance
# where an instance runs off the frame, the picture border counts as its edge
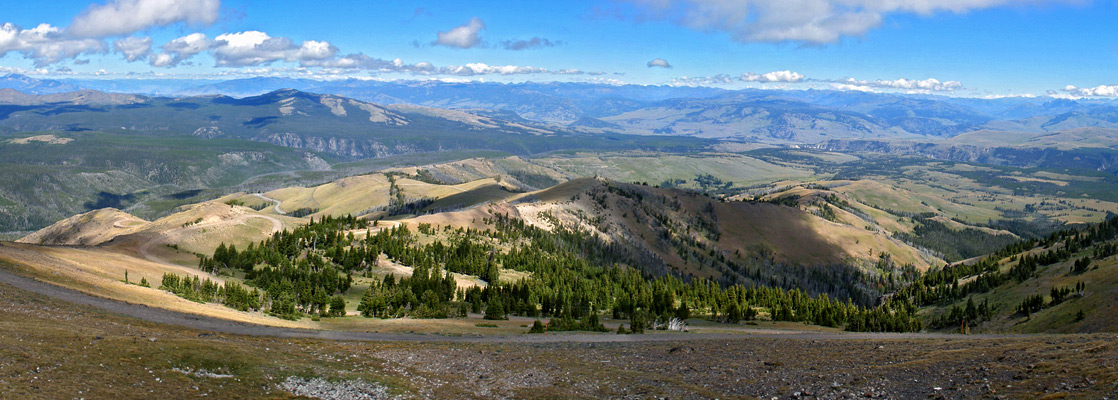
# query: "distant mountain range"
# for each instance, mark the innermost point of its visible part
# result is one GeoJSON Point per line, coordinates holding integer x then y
{"type": "Point", "coordinates": [756, 116]}
{"type": "Point", "coordinates": [31, 85]}
{"type": "Point", "coordinates": [334, 125]}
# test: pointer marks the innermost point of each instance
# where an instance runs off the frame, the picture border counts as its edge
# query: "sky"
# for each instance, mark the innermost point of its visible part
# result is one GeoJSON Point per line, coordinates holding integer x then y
{"type": "Point", "coordinates": [972, 48]}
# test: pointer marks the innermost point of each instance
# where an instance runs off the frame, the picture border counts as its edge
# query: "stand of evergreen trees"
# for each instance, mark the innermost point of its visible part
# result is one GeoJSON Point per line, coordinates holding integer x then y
{"type": "Point", "coordinates": [941, 286]}
{"type": "Point", "coordinates": [231, 294]}
{"type": "Point", "coordinates": [573, 278]}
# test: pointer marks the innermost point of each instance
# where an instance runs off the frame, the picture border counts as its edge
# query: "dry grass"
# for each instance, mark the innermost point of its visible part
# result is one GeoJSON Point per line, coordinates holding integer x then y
{"type": "Point", "coordinates": [352, 195]}
{"type": "Point", "coordinates": [100, 272]}
{"type": "Point", "coordinates": [89, 229]}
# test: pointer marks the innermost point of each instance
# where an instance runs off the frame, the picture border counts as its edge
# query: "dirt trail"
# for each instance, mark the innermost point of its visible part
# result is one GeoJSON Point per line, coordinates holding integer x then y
{"type": "Point", "coordinates": [279, 210]}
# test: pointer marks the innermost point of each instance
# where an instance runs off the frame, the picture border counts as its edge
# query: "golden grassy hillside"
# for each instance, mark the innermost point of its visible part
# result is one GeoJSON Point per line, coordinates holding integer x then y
{"type": "Point", "coordinates": [89, 229]}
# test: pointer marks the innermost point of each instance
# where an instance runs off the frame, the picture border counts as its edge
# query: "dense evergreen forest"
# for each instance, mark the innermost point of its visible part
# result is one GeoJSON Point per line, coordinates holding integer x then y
{"type": "Point", "coordinates": [573, 278]}
{"type": "Point", "coordinates": [951, 244]}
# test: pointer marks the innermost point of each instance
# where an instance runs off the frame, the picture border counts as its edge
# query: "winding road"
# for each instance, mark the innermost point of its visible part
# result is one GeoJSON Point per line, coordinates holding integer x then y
{"type": "Point", "coordinates": [279, 210]}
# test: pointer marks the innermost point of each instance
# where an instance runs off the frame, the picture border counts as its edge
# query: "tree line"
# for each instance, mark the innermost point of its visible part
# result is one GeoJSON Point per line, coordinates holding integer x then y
{"type": "Point", "coordinates": [572, 277]}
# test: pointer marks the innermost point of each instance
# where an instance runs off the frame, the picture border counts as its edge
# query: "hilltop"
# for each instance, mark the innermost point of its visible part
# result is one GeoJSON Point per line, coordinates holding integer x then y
{"type": "Point", "coordinates": [88, 229]}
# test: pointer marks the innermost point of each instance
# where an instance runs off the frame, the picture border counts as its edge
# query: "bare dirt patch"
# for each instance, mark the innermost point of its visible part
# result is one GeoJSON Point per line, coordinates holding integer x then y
{"type": "Point", "coordinates": [48, 139]}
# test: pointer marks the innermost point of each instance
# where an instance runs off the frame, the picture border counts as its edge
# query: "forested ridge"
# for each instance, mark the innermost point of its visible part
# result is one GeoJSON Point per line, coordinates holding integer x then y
{"type": "Point", "coordinates": [573, 278]}
{"type": "Point", "coordinates": [1015, 263]}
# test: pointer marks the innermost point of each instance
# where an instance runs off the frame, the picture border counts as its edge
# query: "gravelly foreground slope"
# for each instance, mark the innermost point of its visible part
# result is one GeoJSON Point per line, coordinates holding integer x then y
{"type": "Point", "coordinates": [54, 348]}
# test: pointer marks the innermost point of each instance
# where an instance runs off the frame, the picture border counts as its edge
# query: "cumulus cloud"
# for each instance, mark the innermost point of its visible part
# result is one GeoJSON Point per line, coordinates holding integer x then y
{"type": "Point", "coordinates": [20, 71]}
{"type": "Point", "coordinates": [45, 44]}
{"type": "Point", "coordinates": [810, 21]}
{"type": "Point", "coordinates": [659, 62]}
{"type": "Point", "coordinates": [530, 44]}
{"type": "Point", "coordinates": [926, 85]}
{"type": "Point", "coordinates": [123, 17]}
{"type": "Point", "coordinates": [725, 79]}
{"type": "Point", "coordinates": [256, 48]}
{"type": "Point", "coordinates": [133, 48]}
{"type": "Point", "coordinates": [181, 49]}
{"type": "Point", "coordinates": [163, 60]}
{"type": "Point", "coordinates": [856, 88]}
{"type": "Point", "coordinates": [464, 36]}
{"type": "Point", "coordinates": [364, 62]}
{"type": "Point", "coordinates": [1097, 91]}
{"type": "Point", "coordinates": [775, 76]}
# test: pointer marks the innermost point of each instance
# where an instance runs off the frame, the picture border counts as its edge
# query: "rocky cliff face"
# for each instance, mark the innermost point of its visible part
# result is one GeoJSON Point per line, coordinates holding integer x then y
{"type": "Point", "coordinates": [338, 146]}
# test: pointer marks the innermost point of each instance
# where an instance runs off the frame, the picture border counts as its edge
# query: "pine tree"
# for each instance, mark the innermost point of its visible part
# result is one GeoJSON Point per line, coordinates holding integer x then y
{"type": "Point", "coordinates": [495, 310]}
{"type": "Point", "coordinates": [637, 322]}
{"type": "Point", "coordinates": [683, 313]}
{"type": "Point", "coordinates": [337, 306]}
{"type": "Point", "coordinates": [537, 327]}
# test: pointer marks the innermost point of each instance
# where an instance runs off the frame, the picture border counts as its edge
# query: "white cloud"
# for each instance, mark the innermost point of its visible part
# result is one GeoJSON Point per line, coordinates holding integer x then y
{"type": "Point", "coordinates": [462, 37]}
{"type": "Point", "coordinates": [133, 48]}
{"type": "Point", "coordinates": [256, 48]}
{"type": "Point", "coordinates": [724, 79]}
{"type": "Point", "coordinates": [20, 71]}
{"type": "Point", "coordinates": [659, 62]}
{"type": "Point", "coordinates": [162, 60]}
{"type": "Point", "coordinates": [720, 79]}
{"type": "Point", "coordinates": [188, 45]}
{"type": "Point", "coordinates": [472, 69]}
{"type": "Point", "coordinates": [181, 49]}
{"type": "Point", "coordinates": [1008, 96]}
{"type": "Point", "coordinates": [853, 87]}
{"type": "Point", "coordinates": [775, 76]}
{"type": "Point", "coordinates": [606, 81]}
{"type": "Point", "coordinates": [1097, 91]}
{"type": "Point", "coordinates": [45, 44]}
{"type": "Point", "coordinates": [364, 62]}
{"type": "Point", "coordinates": [811, 21]}
{"type": "Point", "coordinates": [123, 17]}
{"type": "Point", "coordinates": [919, 86]}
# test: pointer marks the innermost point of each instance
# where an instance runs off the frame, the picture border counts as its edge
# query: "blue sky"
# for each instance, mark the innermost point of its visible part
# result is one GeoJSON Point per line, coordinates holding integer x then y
{"type": "Point", "coordinates": [971, 48]}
